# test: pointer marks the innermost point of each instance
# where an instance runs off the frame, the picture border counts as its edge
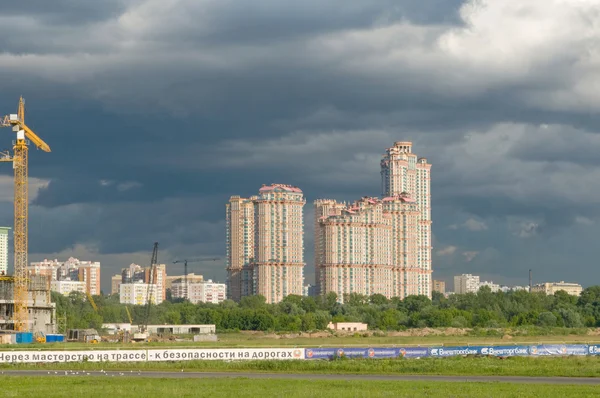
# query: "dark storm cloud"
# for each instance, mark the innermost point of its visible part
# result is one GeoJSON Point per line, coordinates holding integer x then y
{"type": "Point", "coordinates": [156, 113]}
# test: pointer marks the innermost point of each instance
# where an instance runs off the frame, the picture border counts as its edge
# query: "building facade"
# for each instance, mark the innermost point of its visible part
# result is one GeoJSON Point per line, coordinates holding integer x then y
{"type": "Point", "coordinates": [403, 173]}
{"type": "Point", "coordinates": [115, 283]}
{"type": "Point", "coordinates": [265, 243]}
{"type": "Point", "coordinates": [439, 286]}
{"type": "Point", "coordinates": [466, 283]}
{"type": "Point", "coordinates": [367, 247]}
{"type": "Point", "coordinates": [549, 288]}
{"type": "Point", "coordinates": [135, 274]}
{"type": "Point", "coordinates": [138, 294]}
{"type": "Point", "coordinates": [4, 250]}
{"type": "Point", "coordinates": [66, 287]}
{"type": "Point", "coordinates": [199, 291]}
{"type": "Point", "coordinates": [73, 269]}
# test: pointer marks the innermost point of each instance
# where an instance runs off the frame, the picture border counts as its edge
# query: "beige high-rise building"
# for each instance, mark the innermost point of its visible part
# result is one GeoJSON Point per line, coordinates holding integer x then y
{"type": "Point", "coordinates": [265, 243]}
{"type": "Point", "coordinates": [379, 245]}
{"type": "Point", "coordinates": [366, 247]}
{"type": "Point", "coordinates": [240, 245]}
{"type": "Point", "coordinates": [402, 172]}
{"type": "Point", "coordinates": [4, 250]}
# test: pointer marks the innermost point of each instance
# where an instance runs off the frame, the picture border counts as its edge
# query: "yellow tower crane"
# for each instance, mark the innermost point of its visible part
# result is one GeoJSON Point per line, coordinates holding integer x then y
{"type": "Point", "coordinates": [21, 203]}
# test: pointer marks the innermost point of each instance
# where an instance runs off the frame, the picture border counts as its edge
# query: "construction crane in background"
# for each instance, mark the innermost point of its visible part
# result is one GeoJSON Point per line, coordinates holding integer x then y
{"type": "Point", "coordinates": [185, 270]}
{"type": "Point", "coordinates": [143, 330]}
{"type": "Point", "coordinates": [21, 206]}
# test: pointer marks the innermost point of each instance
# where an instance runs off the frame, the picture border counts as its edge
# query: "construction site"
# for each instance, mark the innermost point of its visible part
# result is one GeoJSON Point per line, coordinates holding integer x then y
{"type": "Point", "coordinates": [26, 309]}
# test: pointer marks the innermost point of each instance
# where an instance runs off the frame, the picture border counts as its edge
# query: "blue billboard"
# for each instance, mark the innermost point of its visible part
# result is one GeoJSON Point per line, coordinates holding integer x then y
{"type": "Point", "coordinates": [558, 349]}
{"type": "Point", "coordinates": [504, 350]}
{"type": "Point", "coordinates": [375, 353]}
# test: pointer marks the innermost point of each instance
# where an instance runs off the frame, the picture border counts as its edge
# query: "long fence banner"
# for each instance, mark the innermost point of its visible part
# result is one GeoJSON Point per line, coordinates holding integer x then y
{"type": "Point", "coordinates": [235, 354]}
{"type": "Point", "coordinates": [225, 354]}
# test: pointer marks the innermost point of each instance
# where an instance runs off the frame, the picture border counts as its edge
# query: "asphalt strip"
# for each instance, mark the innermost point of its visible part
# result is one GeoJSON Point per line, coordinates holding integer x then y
{"type": "Point", "coordinates": [305, 376]}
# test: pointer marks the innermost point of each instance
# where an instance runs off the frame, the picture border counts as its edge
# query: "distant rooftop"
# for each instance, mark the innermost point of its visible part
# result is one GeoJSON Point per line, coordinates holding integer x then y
{"type": "Point", "coordinates": [279, 188]}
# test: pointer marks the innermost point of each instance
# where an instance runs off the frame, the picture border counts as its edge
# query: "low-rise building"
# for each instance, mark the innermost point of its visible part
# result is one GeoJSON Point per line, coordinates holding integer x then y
{"type": "Point", "coordinates": [137, 294]}
{"type": "Point", "coordinates": [66, 287]}
{"type": "Point", "coordinates": [574, 289]}
{"type": "Point", "coordinates": [347, 326]}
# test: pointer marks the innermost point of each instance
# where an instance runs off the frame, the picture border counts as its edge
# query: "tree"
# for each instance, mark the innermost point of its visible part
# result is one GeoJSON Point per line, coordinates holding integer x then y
{"type": "Point", "coordinates": [546, 319]}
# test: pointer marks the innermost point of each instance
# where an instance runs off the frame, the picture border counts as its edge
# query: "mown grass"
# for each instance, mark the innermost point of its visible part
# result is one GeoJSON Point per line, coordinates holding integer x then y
{"type": "Point", "coordinates": [513, 366]}
{"type": "Point", "coordinates": [529, 336]}
{"type": "Point", "coordinates": [52, 387]}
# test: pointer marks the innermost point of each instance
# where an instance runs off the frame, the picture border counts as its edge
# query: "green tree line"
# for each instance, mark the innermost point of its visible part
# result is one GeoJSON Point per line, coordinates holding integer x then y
{"type": "Point", "coordinates": [295, 313]}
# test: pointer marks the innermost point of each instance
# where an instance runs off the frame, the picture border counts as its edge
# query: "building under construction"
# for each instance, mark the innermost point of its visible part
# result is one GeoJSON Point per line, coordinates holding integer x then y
{"type": "Point", "coordinates": [41, 311]}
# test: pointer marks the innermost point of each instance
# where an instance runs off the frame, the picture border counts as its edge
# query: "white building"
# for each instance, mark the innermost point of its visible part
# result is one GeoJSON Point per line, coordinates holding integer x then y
{"type": "Point", "coordinates": [466, 283]}
{"type": "Point", "coordinates": [137, 293]}
{"type": "Point", "coordinates": [494, 287]}
{"type": "Point", "coordinates": [199, 292]}
{"type": "Point", "coordinates": [550, 288]}
{"type": "Point", "coordinates": [4, 250]}
{"type": "Point", "coordinates": [66, 287]}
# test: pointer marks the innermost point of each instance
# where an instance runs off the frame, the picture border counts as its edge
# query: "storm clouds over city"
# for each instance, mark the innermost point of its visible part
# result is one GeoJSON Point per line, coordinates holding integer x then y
{"type": "Point", "coordinates": [158, 111]}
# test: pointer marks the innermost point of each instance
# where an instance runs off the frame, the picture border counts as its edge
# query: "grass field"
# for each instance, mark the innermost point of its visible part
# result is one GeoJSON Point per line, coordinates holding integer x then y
{"type": "Point", "coordinates": [514, 366]}
{"type": "Point", "coordinates": [240, 387]}
{"type": "Point", "coordinates": [232, 340]}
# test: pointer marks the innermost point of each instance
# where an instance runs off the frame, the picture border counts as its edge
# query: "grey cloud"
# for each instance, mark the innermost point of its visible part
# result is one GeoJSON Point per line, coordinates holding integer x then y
{"type": "Point", "coordinates": [183, 106]}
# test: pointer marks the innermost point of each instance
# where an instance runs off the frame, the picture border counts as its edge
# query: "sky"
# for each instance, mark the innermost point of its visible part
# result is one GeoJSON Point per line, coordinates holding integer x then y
{"type": "Point", "coordinates": [157, 111]}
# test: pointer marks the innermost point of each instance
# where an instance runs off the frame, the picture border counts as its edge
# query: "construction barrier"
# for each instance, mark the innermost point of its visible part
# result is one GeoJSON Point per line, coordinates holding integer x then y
{"type": "Point", "coordinates": [234, 354]}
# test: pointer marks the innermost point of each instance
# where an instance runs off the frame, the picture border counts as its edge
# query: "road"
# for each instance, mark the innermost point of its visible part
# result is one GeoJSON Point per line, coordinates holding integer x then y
{"type": "Point", "coordinates": [211, 375]}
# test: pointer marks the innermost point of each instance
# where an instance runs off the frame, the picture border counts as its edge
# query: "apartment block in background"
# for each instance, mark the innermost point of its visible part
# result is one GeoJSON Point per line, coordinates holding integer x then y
{"type": "Point", "coordinates": [191, 277]}
{"type": "Point", "coordinates": [439, 286]}
{"type": "Point", "coordinates": [265, 243]}
{"type": "Point", "coordinates": [199, 291]}
{"type": "Point", "coordinates": [4, 250]}
{"type": "Point", "coordinates": [115, 283]}
{"type": "Point", "coordinates": [135, 274]}
{"type": "Point", "coordinates": [73, 270]}
{"type": "Point", "coordinates": [549, 288]}
{"type": "Point", "coordinates": [466, 283]}
{"type": "Point", "coordinates": [138, 293]}
{"type": "Point", "coordinates": [66, 287]}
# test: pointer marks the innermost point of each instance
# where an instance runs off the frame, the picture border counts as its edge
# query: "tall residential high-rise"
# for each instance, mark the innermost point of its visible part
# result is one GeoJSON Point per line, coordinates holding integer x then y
{"type": "Point", "coordinates": [403, 173]}
{"type": "Point", "coordinates": [240, 245]}
{"type": "Point", "coordinates": [265, 243]}
{"type": "Point", "coordinates": [365, 247]}
{"type": "Point", "coordinates": [4, 250]}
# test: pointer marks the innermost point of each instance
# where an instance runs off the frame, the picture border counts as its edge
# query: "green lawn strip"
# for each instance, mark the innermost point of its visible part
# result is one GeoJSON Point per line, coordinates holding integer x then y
{"type": "Point", "coordinates": [514, 366]}
{"type": "Point", "coordinates": [124, 387]}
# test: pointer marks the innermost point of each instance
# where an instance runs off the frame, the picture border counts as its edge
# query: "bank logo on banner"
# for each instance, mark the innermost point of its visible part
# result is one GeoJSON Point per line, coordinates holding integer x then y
{"type": "Point", "coordinates": [594, 350]}
{"type": "Point", "coordinates": [371, 352]}
{"type": "Point", "coordinates": [340, 352]}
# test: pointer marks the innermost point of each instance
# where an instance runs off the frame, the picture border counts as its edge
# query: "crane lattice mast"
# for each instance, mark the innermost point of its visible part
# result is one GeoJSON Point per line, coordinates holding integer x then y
{"type": "Point", "coordinates": [21, 207]}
